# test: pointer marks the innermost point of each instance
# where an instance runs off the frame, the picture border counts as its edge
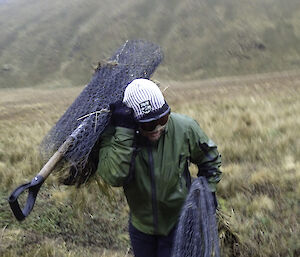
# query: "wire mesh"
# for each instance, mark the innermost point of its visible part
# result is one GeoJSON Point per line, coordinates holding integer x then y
{"type": "Point", "coordinates": [197, 232]}
{"type": "Point", "coordinates": [134, 59]}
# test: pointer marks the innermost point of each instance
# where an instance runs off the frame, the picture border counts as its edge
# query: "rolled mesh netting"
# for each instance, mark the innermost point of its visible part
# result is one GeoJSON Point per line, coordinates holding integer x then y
{"type": "Point", "coordinates": [89, 115]}
{"type": "Point", "coordinates": [197, 232]}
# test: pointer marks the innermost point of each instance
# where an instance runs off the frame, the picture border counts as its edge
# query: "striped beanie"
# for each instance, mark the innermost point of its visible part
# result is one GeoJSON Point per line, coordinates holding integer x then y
{"type": "Point", "coordinates": [146, 100]}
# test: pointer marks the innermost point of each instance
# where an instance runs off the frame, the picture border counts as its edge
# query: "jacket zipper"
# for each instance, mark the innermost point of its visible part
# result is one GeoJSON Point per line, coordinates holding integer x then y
{"type": "Point", "coordinates": [153, 188]}
{"type": "Point", "coordinates": [180, 182]}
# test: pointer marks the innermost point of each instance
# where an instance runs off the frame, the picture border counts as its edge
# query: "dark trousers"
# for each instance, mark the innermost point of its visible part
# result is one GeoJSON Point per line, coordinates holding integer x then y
{"type": "Point", "coordinates": [145, 245]}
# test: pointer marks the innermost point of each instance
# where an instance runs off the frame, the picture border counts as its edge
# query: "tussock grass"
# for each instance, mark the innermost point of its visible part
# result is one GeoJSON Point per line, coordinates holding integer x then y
{"type": "Point", "coordinates": [254, 123]}
{"type": "Point", "coordinates": [257, 131]}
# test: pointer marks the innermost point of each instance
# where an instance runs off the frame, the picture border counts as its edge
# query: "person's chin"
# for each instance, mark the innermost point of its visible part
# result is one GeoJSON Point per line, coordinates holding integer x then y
{"type": "Point", "coordinates": [154, 136]}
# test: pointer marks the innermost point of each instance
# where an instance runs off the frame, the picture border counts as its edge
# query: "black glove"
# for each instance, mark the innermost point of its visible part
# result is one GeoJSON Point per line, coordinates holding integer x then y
{"type": "Point", "coordinates": [122, 116]}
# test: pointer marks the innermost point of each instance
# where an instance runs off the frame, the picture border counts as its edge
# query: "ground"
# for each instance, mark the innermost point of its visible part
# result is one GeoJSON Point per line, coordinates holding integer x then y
{"type": "Point", "coordinates": [253, 119]}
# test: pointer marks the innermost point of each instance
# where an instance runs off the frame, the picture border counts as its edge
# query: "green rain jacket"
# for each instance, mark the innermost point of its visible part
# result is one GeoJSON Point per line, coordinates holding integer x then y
{"type": "Point", "coordinates": [155, 176]}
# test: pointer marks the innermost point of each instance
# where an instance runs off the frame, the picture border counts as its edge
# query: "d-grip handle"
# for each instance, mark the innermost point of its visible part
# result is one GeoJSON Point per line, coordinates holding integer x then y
{"type": "Point", "coordinates": [35, 184]}
{"type": "Point", "coordinates": [33, 189]}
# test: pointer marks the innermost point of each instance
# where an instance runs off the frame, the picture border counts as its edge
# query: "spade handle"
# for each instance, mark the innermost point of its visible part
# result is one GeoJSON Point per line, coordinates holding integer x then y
{"type": "Point", "coordinates": [35, 184]}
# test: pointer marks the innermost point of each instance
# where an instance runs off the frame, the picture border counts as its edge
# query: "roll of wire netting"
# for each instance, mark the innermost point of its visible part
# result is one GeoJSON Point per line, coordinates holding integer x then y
{"type": "Point", "coordinates": [197, 231]}
{"type": "Point", "coordinates": [90, 111]}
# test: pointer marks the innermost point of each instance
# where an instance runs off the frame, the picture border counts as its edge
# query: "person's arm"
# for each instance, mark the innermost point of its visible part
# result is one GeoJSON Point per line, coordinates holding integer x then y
{"type": "Point", "coordinates": [205, 155]}
{"type": "Point", "coordinates": [116, 150]}
{"type": "Point", "coordinates": [116, 147]}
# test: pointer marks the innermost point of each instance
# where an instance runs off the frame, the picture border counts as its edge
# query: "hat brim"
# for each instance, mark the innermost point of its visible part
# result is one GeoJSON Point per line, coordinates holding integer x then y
{"type": "Point", "coordinates": [164, 110]}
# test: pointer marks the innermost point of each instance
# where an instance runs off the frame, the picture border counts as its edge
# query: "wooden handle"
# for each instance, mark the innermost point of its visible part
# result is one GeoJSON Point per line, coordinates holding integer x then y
{"type": "Point", "coordinates": [34, 186]}
{"type": "Point", "coordinates": [50, 165]}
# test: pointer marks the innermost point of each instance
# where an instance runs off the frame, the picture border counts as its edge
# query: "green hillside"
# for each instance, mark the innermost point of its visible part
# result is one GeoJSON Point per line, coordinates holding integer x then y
{"type": "Point", "coordinates": [56, 43]}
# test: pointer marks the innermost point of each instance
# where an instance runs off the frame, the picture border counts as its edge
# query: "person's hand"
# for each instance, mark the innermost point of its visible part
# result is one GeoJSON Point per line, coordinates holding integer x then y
{"type": "Point", "coordinates": [122, 116]}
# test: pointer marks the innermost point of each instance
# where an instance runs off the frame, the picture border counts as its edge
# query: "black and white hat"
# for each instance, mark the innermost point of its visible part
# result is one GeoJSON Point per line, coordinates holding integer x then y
{"type": "Point", "coordinates": [146, 100]}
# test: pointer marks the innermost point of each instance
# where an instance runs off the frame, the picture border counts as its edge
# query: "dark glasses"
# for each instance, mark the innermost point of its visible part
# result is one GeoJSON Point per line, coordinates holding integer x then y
{"type": "Point", "coordinates": [151, 125]}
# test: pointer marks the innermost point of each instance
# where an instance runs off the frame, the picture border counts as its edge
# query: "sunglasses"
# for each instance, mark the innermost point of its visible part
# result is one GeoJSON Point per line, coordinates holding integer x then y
{"type": "Point", "coordinates": [151, 125]}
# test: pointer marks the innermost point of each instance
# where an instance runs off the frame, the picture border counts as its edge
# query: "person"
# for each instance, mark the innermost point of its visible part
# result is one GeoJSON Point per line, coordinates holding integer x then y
{"type": "Point", "coordinates": [147, 150]}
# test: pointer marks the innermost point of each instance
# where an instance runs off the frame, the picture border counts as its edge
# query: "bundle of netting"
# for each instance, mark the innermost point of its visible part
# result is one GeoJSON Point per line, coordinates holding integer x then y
{"type": "Point", "coordinates": [88, 116]}
{"type": "Point", "coordinates": [197, 232]}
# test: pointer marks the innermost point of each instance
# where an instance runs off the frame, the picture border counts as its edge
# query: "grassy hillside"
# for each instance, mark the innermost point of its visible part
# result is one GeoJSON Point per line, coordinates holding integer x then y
{"type": "Point", "coordinates": [56, 43]}
{"type": "Point", "coordinates": [255, 122]}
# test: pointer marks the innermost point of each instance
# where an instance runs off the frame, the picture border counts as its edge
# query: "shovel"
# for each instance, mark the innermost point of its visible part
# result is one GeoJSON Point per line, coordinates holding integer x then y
{"type": "Point", "coordinates": [34, 186]}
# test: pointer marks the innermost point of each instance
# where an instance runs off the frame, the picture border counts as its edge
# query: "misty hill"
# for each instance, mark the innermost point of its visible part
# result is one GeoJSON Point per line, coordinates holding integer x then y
{"type": "Point", "coordinates": [57, 42]}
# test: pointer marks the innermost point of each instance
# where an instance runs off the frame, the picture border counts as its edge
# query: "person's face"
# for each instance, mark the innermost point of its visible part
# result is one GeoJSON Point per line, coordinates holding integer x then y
{"type": "Point", "coordinates": [154, 129]}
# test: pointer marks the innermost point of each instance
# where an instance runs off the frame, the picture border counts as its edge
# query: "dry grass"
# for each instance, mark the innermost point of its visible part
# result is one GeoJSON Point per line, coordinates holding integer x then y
{"type": "Point", "coordinates": [255, 123]}
{"type": "Point", "coordinates": [256, 126]}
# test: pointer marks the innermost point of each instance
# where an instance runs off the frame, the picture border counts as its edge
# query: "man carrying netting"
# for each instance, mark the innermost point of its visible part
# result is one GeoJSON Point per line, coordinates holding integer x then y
{"type": "Point", "coordinates": [147, 151]}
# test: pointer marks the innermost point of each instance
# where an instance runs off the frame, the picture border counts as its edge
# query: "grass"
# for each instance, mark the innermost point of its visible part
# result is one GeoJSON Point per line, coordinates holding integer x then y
{"type": "Point", "coordinates": [66, 217]}
{"type": "Point", "coordinates": [257, 130]}
{"type": "Point", "coordinates": [255, 122]}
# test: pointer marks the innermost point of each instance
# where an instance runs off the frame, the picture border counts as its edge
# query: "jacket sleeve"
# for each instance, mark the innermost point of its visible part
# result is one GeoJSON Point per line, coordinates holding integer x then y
{"type": "Point", "coordinates": [205, 155]}
{"type": "Point", "coordinates": [115, 154]}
